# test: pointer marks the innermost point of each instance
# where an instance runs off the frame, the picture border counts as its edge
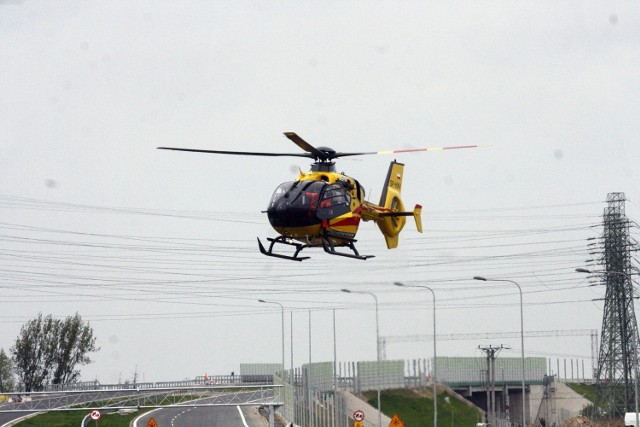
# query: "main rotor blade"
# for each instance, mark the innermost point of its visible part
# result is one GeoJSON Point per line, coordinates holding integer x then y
{"type": "Point", "coordinates": [317, 154]}
{"type": "Point", "coordinates": [239, 153]}
{"type": "Point", "coordinates": [314, 153]}
{"type": "Point", "coordinates": [410, 150]}
{"type": "Point", "coordinates": [414, 150]}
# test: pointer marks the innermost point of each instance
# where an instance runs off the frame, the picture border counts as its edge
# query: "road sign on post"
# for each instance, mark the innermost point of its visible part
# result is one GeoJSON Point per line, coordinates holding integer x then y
{"type": "Point", "coordinates": [396, 421]}
{"type": "Point", "coordinates": [358, 415]}
{"type": "Point", "coordinates": [95, 415]}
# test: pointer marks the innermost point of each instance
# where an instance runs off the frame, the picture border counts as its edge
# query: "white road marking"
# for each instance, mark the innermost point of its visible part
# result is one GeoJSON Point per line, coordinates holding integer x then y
{"type": "Point", "coordinates": [242, 416]}
{"type": "Point", "coordinates": [135, 422]}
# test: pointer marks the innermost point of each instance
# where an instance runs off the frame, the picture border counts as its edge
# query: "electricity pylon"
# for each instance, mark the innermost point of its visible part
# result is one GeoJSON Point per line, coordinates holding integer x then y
{"type": "Point", "coordinates": [617, 361]}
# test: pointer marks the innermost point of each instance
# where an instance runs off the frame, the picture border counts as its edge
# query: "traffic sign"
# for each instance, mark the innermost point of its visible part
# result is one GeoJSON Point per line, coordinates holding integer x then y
{"type": "Point", "coordinates": [357, 424]}
{"type": "Point", "coordinates": [396, 421]}
{"type": "Point", "coordinates": [358, 415]}
{"type": "Point", "coordinates": [95, 415]}
{"type": "Point", "coordinates": [152, 423]}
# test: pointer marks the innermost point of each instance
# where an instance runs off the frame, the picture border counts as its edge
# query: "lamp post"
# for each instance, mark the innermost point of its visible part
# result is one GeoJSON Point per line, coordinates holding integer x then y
{"type": "Point", "coordinates": [282, 318]}
{"type": "Point", "coordinates": [435, 369]}
{"type": "Point", "coordinates": [292, 376]}
{"type": "Point", "coordinates": [335, 373]}
{"type": "Point", "coordinates": [635, 347]}
{"type": "Point", "coordinates": [524, 390]}
{"type": "Point", "coordinates": [375, 298]}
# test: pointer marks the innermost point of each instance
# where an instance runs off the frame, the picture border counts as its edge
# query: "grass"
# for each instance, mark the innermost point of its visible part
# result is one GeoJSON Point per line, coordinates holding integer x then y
{"type": "Point", "coordinates": [74, 418]}
{"type": "Point", "coordinates": [415, 409]}
{"type": "Point", "coordinates": [588, 391]}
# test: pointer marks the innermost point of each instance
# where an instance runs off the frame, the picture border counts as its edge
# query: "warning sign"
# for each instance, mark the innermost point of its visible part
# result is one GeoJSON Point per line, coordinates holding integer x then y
{"type": "Point", "coordinates": [396, 421]}
{"type": "Point", "coordinates": [152, 423]}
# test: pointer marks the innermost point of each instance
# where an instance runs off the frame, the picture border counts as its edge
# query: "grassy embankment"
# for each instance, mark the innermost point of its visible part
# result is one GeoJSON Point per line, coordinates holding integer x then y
{"type": "Point", "coordinates": [416, 408]}
{"type": "Point", "coordinates": [588, 391]}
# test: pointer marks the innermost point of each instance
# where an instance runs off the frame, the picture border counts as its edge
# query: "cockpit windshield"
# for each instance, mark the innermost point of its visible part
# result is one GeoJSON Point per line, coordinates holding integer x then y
{"type": "Point", "coordinates": [304, 202]}
{"type": "Point", "coordinates": [298, 194]}
{"type": "Point", "coordinates": [280, 192]}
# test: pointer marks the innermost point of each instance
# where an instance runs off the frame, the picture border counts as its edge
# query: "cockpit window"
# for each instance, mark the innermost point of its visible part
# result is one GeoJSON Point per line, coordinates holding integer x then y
{"type": "Point", "coordinates": [303, 195]}
{"type": "Point", "coordinates": [281, 191]}
{"type": "Point", "coordinates": [335, 201]}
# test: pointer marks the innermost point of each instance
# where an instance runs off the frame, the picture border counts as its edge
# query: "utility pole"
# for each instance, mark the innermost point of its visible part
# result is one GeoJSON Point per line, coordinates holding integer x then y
{"type": "Point", "coordinates": [491, 354]}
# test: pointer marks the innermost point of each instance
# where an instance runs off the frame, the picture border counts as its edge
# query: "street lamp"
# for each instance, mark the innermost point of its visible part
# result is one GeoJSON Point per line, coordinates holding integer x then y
{"type": "Point", "coordinates": [524, 390]}
{"type": "Point", "coordinates": [282, 308]}
{"type": "Point", "coordinates": [377, 344]}
{"type": "Point", "coordinates": [435, 370]}
{"type": "Point", "coordinates": [635, 347]}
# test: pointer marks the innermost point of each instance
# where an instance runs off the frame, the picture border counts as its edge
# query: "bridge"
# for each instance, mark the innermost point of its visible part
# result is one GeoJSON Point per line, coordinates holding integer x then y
{"type": "Point", "coordinates": [214, 392]}
{"type": "Point", "coordinates": [307, 393]}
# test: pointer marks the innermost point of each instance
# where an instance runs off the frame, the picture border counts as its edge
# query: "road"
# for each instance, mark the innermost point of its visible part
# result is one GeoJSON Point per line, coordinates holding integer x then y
{"type": "Point", "coordinates": [10, 416]}
{"type": "Point", "coordinates": [210, 416]}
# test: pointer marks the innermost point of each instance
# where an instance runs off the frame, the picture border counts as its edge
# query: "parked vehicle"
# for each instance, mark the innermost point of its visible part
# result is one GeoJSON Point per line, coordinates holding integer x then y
{"type": "Point", "coordinates": [630, 419]}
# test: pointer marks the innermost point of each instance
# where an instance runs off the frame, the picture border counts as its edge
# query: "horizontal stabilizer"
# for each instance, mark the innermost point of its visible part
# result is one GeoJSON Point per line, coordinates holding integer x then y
{"type": "Point", "coordinates": [417, 215]}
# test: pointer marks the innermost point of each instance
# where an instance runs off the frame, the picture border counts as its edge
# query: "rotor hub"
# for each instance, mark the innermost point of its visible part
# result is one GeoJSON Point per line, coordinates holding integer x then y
{"type": "Point", "coordinates": [323, 166]}
{"type": "Point", "coordinates": [330, 153]}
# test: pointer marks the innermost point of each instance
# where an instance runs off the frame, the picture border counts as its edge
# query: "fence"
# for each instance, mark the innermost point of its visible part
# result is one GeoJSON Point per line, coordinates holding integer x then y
{"type": "Point", "coordinates": [312, 398]}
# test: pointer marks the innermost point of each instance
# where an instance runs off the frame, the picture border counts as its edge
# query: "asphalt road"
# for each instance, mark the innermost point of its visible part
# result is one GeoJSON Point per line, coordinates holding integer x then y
{"type": "Point", "coordinates": [209, 416]}
{"type": "Point", "coordinates": [10, 416]}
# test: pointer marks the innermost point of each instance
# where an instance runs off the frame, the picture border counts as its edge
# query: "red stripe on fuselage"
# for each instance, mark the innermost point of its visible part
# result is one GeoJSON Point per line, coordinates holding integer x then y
{"type": "Point", "coordinates": [353, 221]}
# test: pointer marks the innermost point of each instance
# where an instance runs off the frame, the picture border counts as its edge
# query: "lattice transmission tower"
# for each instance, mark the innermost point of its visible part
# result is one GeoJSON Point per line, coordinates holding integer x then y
{"type": "Point", "coordinates": [617, 358]}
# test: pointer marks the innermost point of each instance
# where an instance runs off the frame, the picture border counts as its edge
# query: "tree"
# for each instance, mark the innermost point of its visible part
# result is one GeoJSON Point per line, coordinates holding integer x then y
{"type": "Point", "coordinates": [48, 350]}
{"type": "Point", "coordinates": [6, 373]}
{"type": "Point", "coordinates": [33, 352]}
{"type": "Point", "coordinates": [75, 340]}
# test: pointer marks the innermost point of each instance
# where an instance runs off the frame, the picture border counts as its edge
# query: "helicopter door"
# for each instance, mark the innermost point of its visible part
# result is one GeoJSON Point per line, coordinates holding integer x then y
{"type": "Point", "coordinates": [335, 201]}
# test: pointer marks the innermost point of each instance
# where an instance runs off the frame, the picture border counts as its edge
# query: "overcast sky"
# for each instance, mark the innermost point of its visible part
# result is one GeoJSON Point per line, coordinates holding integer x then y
{"type": "Point", "coordinates": [158, 249]}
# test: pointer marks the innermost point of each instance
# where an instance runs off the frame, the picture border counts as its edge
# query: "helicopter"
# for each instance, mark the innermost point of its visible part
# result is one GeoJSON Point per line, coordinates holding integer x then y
{"type": "Point", "coordinates": [323, 208]}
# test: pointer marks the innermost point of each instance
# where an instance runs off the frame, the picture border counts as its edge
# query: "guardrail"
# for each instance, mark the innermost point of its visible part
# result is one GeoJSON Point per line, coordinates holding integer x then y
{"type": "Point", "coordinates": [149, 397]}
{"type": "Point", "coordinates": [197, 382]}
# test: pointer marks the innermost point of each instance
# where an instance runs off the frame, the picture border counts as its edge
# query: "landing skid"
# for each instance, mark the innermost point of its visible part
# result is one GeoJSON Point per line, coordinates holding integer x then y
{"type": "Point", "coordinates": [282, 240]}
{"type": "Point", "coordinates": [327, 245]}
{"type": "Point", "coordinates": [330, 249]}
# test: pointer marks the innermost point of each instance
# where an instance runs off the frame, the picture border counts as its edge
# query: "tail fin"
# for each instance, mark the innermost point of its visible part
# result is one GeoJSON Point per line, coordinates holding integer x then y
{"type": "Point", "coordinates": [392, 185]}
{"type": "Point", "coordinates": [390, 199]}
{"type": "Point", "coordinates": [390, 214]}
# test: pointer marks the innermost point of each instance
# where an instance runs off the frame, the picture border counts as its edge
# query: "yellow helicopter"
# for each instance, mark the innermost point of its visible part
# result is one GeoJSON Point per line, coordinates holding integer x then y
{"type": "Point", "coordinates": [323, 208]}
